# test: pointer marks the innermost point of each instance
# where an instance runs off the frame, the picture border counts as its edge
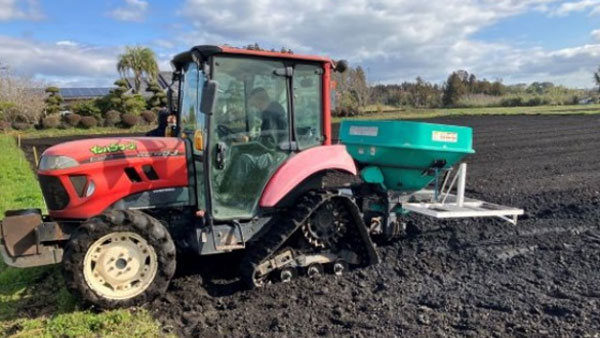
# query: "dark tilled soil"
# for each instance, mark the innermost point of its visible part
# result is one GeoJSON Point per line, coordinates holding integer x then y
{"type": "Point", "coordinates": [473, 278]}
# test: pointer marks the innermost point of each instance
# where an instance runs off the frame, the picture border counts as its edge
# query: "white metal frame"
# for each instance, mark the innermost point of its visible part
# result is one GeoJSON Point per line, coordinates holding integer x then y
{"type": "Point", "coordinates": [446, 205]}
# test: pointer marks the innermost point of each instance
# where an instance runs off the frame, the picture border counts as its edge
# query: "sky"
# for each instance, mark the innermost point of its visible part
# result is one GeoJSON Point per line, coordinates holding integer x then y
{"type": "Point", "coordinates": [75, 43]}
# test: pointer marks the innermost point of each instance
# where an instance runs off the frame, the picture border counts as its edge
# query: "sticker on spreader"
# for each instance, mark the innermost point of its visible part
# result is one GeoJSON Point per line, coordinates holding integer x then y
{"type": "Point", "coordinates": [444, 136]}
{"type": "Point", "coordinates": [364, 131]}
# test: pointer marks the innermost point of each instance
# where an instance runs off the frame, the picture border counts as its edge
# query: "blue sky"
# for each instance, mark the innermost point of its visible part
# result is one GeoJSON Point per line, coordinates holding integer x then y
{"type": "Point", "coordinates": [94, 23]}
{"type": "Point", "coordinates": [538, 29]}
{"type": "Point", "coordinates": [75, 43]}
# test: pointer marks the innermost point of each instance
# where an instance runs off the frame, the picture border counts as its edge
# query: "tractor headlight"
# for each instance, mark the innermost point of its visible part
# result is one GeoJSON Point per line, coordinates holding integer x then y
{"type": "Point", "coordinates": [50, 162]}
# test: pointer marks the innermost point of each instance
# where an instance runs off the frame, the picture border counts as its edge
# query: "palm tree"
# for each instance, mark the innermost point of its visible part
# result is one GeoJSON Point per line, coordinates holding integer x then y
{"type": "Point", "coordinates": [140, 61]}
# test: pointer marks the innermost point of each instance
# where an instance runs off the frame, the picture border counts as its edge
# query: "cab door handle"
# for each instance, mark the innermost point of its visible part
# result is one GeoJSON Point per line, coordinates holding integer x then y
{"type": "Point", "coordinates": [221, 149]}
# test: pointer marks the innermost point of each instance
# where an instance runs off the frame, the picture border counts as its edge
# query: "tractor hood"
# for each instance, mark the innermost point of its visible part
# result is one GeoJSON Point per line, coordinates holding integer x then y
{"type": "Point", "coordinates": [83, 178]}
{"type": "Point", "coordinates": [105, 149]}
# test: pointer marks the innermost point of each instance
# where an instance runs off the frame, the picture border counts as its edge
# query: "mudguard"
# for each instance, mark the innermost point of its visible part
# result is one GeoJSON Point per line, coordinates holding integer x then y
{"type": "Point", "coordinates": [303, 165]}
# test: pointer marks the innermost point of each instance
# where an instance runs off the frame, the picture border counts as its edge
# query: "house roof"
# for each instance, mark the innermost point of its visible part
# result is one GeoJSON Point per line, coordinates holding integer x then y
{"type": "Point", "coordinates": [74, 93]}
{"type": "Point", "coordinates": [164, 80]}
{"type": "Point", "coordinates": [87, 93]}
{"type": "Point", "coordinates": [83, 93]}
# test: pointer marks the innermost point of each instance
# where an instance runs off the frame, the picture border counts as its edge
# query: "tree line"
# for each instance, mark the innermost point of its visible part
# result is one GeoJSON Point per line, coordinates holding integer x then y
{"type": "Point", "coordinates": [460, 90]}
{"type": "Point", "coordinates": [21, 107]}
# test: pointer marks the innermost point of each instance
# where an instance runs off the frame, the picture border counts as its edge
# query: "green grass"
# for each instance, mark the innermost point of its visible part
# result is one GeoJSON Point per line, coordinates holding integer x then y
{"type": "Point", "coordinates": [34, 301]}
{"type": "Point", "coordinates": [35, 133]}
{"type": "Point", "coordinates": [19, 187]}
{"type": "Point", "coordinates": [118, 323]}
{"type": "Point", "coordinates": [390, 113]}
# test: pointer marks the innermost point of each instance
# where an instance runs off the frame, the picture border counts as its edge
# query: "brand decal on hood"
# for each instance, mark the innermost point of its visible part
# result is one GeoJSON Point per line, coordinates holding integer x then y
{"type": "Point", "coordinates": [113, 148]}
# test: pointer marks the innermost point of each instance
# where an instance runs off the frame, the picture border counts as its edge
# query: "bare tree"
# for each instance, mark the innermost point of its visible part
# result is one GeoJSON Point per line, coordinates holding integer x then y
{"type": "Point", "coordinates": [352, 88]}
{"type": "Point", "coordinates": [21, 98]}
{"type": "Point", "coordinates": [359, 86]}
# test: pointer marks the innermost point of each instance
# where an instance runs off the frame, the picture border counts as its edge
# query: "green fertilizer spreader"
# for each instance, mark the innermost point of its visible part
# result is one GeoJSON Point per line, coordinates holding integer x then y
{"type": "Point", "coordinates": [409, 166]}
{"type": "Point", "coordinates": [402, 155]}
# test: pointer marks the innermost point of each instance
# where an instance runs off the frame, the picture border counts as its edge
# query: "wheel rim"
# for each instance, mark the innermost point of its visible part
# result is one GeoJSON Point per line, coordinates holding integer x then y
{"type": "Point", "coordinates": [120, 265]}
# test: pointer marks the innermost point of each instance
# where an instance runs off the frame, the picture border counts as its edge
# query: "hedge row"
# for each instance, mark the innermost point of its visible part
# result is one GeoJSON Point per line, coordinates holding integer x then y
{"type": "Point", "coordinates": [112, 118]}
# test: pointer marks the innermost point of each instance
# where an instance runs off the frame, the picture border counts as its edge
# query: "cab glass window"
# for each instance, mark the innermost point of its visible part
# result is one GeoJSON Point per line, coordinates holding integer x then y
{"type": "Point", "coordinates": [307, 105]}
{"type": "Point", "coordinates": [191, 118]}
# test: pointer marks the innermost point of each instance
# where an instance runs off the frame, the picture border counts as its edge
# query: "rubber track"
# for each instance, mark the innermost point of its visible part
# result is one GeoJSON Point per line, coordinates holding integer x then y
{"type": "Point", "coordinates": [281, 232]}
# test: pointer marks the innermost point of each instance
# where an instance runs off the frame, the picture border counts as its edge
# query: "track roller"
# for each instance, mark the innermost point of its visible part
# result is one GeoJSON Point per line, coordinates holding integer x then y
{"type": "Point", "coordinates": [287, 274]}
{"type": "Point", "coordinates": [314, 270]}
{"type": "Point", "coordinates": [340, 267]}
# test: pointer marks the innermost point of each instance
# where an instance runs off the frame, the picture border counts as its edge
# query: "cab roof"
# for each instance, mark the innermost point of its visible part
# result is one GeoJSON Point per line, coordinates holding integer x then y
{"type": "Point", "coordinates": [207, 50]}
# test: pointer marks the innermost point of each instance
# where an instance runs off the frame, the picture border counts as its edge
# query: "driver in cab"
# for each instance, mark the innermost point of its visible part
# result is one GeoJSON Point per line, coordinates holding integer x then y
{"type": "Point", "coordinates": [273, 131]}
{"type": "Point", "coordinates": [272, 114]}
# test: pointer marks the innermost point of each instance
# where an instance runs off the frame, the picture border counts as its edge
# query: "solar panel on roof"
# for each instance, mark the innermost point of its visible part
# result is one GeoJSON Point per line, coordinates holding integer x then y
{"type": "Point", "coordinates": [83, 92]}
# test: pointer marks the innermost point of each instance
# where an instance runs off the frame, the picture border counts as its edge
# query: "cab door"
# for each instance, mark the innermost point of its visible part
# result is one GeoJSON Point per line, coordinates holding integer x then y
{"type": "Point", "coordinates": [245, 148]}
{"type": "Point", "coordinates": [193, 124]}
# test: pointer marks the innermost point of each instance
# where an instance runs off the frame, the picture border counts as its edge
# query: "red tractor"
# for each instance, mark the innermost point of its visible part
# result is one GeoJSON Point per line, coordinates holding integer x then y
{"type": "Point", "coordinates": [252, 167]}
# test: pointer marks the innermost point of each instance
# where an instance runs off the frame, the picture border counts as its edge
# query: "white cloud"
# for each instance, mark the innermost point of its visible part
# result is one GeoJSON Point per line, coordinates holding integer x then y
{"type": "Point", "coordinates": [566, 8]}
{"type": "Point", "coordinates": [133, 10]}
{"type": "Point", "coordinates": [344, 25]}
{"type": "Point", "coordinates": [596, 34]}
{"type": "Point", "coordinates": [61, 62]}
{"type": "Point", "coordinates": [65, 63]}
{"type": "Point", "coordinates": [393, 40]}
{"type": "Point", "coordinates": [568, 66]}
{"type": "Point", "coordinates": [20, 10]}
{"type": "Point", "coordinates": [67, 43]}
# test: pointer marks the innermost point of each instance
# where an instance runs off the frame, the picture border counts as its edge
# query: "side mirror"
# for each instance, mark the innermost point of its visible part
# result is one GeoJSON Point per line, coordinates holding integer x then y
{"type": "Point", "coordinates": [209, 97]}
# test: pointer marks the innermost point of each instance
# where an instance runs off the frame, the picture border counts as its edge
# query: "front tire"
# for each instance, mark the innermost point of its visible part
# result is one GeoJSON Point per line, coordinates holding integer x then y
{"type": "Point", "coordinates": [120, 258]}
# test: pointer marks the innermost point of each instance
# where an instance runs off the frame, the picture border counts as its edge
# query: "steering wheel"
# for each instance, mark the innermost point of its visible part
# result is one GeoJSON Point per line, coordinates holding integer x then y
{"type": "Point", "coordinates": [268, 141]}
{"type": "Point", "coordinates": [223, 130]}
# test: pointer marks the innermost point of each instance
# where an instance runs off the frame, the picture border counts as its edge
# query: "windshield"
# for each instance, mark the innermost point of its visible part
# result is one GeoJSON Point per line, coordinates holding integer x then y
{"type": "Point", "coordinates": [252, 100]}
{"type": "Point", "coordinates": [191, 118]}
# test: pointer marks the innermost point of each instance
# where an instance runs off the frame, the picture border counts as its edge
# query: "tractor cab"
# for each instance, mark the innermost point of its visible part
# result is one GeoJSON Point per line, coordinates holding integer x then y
{"type": "Point", "coordinates": [245, 113]}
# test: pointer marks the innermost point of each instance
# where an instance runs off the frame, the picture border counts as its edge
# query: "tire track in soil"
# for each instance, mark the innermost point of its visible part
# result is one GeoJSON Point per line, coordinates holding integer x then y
{"type": "Point", "coordinates": [452, 278]}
